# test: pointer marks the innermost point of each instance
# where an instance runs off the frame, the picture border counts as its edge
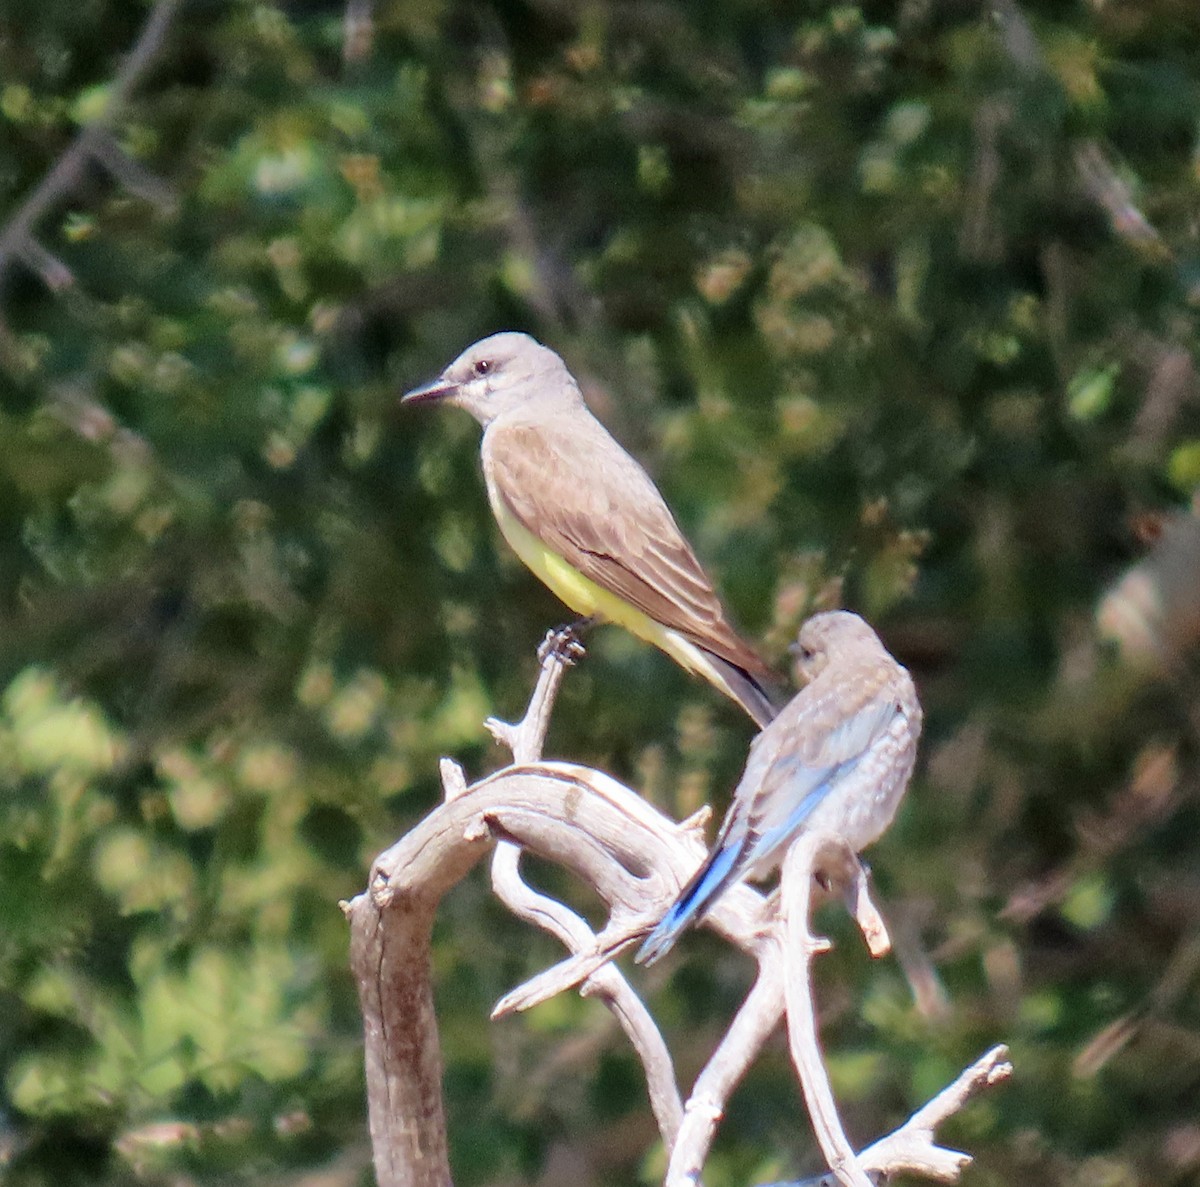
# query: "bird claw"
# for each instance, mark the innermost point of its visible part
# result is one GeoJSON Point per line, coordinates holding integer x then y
{"type": "Point", "coordinates": [564, 644]}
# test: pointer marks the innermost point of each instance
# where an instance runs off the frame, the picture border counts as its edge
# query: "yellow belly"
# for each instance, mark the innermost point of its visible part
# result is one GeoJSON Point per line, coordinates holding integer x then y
{"type": "Point", "coordinates": [586, 598]}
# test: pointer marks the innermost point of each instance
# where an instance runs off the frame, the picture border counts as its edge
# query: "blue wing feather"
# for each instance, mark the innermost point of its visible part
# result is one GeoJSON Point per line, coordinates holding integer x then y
{"type": "Point", "coordinates": [792, 757]}
{"type": "Point", "coordinates": [777, 837]}
{"type": "Point", "coordinates": [705, 885]}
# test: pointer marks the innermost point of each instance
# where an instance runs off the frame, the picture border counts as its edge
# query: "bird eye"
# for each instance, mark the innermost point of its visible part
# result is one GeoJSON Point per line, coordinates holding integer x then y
{"type": "Point", "coordinates": [801, 653]}
{"type": "Point", "coordinates": [483, 367]}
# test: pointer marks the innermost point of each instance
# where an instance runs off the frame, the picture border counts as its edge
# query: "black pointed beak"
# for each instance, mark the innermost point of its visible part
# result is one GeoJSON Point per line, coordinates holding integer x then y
{"type": "Point", "coordinates": [438, 389]}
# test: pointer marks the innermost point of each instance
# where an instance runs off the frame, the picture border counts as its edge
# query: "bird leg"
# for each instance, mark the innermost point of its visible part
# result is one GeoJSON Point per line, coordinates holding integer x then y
{"type": "Point", "coordinates": [566, 642]}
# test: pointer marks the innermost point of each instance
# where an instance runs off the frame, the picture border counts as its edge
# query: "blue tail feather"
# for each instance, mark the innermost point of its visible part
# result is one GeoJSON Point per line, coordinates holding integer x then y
{"type": "Point", "coordinates": [692, 902]}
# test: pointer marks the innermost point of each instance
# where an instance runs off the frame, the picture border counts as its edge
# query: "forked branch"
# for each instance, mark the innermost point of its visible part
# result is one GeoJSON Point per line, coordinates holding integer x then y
{"type": "Point", "coordinates": [636, 860]}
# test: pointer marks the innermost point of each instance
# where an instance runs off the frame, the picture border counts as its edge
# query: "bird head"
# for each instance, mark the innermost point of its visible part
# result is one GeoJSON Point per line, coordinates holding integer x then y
{"type": "Point", "coordinates": [823, 636]}
{"type": "Point", "coordinates": [498, 375]}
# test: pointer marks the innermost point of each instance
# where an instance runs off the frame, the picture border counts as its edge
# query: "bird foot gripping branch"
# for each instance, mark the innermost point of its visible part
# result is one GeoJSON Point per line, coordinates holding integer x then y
{"type": "Point", "coordinates": [636, 860]}
{"type": "Point", "coordinates": [565, 643]}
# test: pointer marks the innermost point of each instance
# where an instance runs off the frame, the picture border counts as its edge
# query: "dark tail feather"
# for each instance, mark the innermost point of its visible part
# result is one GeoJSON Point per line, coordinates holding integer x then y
{"type": "Point", "coordinates": [694, 899]}
{"type": "Point", "coordinates": [748, 691]}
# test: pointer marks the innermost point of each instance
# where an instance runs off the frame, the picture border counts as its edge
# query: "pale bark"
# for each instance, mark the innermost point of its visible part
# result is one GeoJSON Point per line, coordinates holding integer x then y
{"type": "Point", "coordinates": [636, 860]}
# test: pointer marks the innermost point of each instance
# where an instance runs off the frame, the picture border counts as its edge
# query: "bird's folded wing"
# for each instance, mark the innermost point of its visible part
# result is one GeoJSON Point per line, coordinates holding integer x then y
{"type": "Point", "coordinates": [794, 765]}
{"type": "Point", "coordinates": [593, 505]}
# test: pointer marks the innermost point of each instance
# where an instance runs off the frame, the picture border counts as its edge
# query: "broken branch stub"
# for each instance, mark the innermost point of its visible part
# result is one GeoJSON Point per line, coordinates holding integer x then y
{"type": "Point", "coordinates": [636, 860]}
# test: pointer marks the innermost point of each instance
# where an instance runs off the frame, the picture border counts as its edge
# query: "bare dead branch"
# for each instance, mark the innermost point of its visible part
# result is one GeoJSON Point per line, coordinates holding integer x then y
{"type": "Point", "coordinates": [583, 819]}
{"type": "Point", "coordinates": [606, 982]}
{"type": "Point", "coordinates": [600, 978]}
{"type": "Point", "coordinates": [799, 867]}
{"type": "Point", "coordinates": [1098, 178]}
{"type": "Point", "coordinates": [358, 31]}
{"type": "Point", "coordinates": [753, 1024]}
{"type": "Point", "coordinates": [911, 1148]}
{"type": "Point", "coordinates": [131, 173]}
{"type": "Point", "coordinates": [636, 860]}
{"type": "Point", "coordinates": [54, 274]}
{"type": "Point", "coordinates": [526, 741]}
{"type": "Point", "coordinates": [559, 651]}
{"type": "Point", "coordinates": [17, 239]}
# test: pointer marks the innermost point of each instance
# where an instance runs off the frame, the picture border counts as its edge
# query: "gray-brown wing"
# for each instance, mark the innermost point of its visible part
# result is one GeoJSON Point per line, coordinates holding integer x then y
{"type": "Point", "coordinates": [829, 723]}
{"type": "Point", "coordinates": [793, 764]}
{"type": "Point", "coordinates": [570, 484]}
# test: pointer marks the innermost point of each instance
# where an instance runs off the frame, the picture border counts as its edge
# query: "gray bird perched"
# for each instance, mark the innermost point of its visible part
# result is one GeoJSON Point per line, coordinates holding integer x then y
{"type": "Point", "coordinates": [586, 518]}
{"type": "Point", "coordinates": [836, 760]}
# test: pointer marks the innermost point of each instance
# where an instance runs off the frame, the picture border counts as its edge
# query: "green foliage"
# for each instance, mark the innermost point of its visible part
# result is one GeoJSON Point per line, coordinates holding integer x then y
{"type": "Point", "coordinates": [897, 302]}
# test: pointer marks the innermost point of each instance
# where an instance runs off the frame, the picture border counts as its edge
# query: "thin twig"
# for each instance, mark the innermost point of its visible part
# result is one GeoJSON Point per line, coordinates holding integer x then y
{"type": "Point", "coordinates": [17, 239]}
{"type": "Point", "coordinates": [1098, 178]}
{"type": "Point", "coordinates": [527, 738]}
{"type": "Point", "coordinates": [606, 983]}
{"type": "Point", "coordinates": [911, 1146]}
{"type": "Point", "coordinates": [358, 31]}
{"type": "Point", "coordinates": [131, 173]}
{"type": "Point", "coordinates": [753, 1024]}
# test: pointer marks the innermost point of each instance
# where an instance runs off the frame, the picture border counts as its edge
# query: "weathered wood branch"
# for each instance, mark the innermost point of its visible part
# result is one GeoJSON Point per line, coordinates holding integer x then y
{"type": "Point", "coordinates": [609, 836]}
{"type": "Point", "coordinates": [636, 860]}
{"type": "Point", "coordinates": [911, 1148]}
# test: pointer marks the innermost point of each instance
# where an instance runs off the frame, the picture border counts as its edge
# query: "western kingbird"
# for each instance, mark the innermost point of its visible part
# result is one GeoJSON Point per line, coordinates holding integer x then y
{"type": "Point", "coordinates": [586, 518]}
{"type": "Point", "coordinates": [836, 760]}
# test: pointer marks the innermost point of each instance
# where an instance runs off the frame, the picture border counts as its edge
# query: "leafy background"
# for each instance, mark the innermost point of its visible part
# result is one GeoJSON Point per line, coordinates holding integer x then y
{"type": "Point", "coordinates": [898, 303]}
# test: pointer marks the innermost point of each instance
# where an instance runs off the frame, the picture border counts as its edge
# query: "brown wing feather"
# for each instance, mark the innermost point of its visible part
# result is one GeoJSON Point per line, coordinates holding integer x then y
{"type": "Point", "coordinates": [570, 483]}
